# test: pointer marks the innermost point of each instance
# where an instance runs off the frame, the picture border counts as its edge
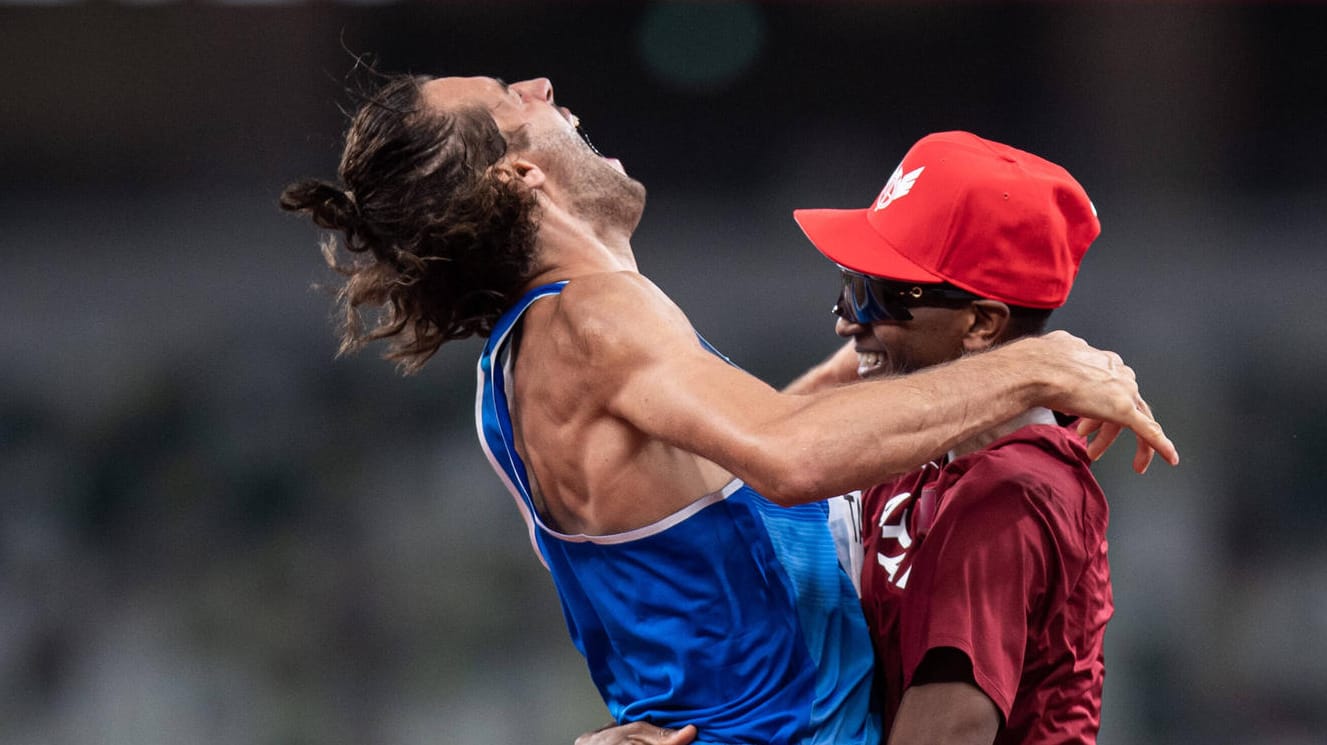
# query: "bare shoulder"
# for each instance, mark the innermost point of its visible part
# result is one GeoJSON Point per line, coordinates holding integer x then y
{"type": "Point", "coordinates": [614, 314]}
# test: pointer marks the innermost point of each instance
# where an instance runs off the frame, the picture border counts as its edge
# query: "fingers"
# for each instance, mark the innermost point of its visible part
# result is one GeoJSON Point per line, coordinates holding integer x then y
{"type": "Point", "coordinates": [1151, 438]}
{"type": "Point", "coordinates": [1118, 406]}
{"type": "Point", "coordinates": [1087, 426]}
{"type": "Point", "coordinates": [605, 735]}
{"type": "Point", "coordinates": [1148, 429]}
{"type": "Point", "coordinates": [1142, 457]}
{"type": "Point", "coordinates": [1106, 436]}
{"type": "Point", "coordinates": [1103, 390]}
{"type": "Point", "coordinates": [680, 736]}
{"type": "Point", "coordinates": [638, 733]}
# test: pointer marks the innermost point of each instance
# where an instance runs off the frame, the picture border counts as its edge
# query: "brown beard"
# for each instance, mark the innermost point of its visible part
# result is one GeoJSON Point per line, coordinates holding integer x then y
{"type": "Point", "coordinates": [599, 192]}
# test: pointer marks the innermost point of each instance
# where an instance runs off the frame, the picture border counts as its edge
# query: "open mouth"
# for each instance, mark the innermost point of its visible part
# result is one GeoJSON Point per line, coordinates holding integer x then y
{"type": "Point", "coordinates": [576, 124]}
{"type": "Point", "coordinates": [580, 130]}
{"type": "Point", "coordinates": [870, 364]}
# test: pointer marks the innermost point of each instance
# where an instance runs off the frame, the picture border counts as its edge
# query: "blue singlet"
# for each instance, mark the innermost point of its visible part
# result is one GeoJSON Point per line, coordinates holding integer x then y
{"type": "Point", "coordinates": [732, 614]}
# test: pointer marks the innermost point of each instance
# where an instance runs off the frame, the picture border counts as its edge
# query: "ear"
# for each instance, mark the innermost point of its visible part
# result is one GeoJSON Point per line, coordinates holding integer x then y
{"type": "Point", "coordinates": [989, 320]}
{"type": "Point", "coordinates": [532, 175]}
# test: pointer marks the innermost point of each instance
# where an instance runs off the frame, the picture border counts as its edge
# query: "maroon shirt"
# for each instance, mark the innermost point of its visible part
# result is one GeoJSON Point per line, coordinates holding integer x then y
{"type": "Point", "coordinates": [1000, 554]}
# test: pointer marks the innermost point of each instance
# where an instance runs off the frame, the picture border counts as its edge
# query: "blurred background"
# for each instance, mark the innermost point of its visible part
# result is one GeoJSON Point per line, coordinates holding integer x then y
{"type": "Point", "coordinates": [212, 531]}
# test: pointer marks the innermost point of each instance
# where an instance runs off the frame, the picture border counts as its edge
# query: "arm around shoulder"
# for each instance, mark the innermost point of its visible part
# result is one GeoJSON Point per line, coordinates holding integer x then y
{"type": "Point", "coordinates": [646, 365]}
{"type": "Point", "coordinates": [643, 361]}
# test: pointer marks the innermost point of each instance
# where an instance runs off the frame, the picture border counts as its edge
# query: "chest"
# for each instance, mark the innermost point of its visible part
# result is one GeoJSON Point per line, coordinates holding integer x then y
{"type": "Point", "coordinates": [896, 518]}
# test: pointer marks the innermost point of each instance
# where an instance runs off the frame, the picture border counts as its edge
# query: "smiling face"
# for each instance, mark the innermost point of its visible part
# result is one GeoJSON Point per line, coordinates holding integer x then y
{"type": "Point", "coordinates": [933, 336]}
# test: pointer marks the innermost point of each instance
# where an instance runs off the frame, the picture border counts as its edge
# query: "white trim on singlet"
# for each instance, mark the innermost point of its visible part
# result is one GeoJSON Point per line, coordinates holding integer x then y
{"type": "Point", "coordinates": [515, 490]}
{"type": "Point", "coordinates": [521, 487]}
{"type": "Point", "coordinates": [653, 528]}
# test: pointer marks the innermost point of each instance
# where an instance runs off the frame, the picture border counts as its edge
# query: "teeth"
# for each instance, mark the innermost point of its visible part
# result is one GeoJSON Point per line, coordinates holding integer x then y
{"type": "Point", "coordinates": [575, 121]}
{"type": "Point", "coordinates": [869, 364]}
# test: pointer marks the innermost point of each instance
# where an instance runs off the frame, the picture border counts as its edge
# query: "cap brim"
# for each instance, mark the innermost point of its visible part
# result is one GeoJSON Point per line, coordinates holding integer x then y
{"type": "Point", "coordinates": [847, 239]}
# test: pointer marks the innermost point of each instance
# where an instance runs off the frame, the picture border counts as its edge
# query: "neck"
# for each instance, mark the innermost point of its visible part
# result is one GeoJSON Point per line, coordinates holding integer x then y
{"type": "Point", "coordinates": [1036, 415]}
{"type": "Point", "coordinates": [568, 247]}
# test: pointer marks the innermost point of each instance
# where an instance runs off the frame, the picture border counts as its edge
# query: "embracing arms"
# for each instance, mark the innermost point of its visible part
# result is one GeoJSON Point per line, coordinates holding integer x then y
{"type": "Point", "coordinates": [652, 373]}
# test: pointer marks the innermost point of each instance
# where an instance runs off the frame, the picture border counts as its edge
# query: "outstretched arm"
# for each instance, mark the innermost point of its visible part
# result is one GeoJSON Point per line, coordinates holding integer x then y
{"type": "Point", "coordinates": [840, 368]}
{"type": "Point", "coordinates": [650, 371]}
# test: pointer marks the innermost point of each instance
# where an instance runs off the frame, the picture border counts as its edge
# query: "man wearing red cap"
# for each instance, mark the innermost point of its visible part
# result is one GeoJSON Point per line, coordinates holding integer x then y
{"type": "Point", "coordinates": [985, 578]}
{"type": "Point", "coordinates": [984, 575]}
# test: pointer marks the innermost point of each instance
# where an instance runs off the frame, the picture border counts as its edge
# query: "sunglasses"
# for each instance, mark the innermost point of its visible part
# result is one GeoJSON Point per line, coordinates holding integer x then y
{"type": "Point", "coordinates": [865, 299]}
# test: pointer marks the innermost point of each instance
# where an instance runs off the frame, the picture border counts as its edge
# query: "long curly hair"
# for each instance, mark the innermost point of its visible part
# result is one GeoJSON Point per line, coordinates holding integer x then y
{"type": "Point", "coordinates": [440, 237]}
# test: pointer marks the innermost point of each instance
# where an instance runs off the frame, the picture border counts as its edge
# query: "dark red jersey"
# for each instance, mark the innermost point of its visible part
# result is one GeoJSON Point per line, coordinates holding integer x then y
{"type": "Point", "coordinates": [1000, 554]}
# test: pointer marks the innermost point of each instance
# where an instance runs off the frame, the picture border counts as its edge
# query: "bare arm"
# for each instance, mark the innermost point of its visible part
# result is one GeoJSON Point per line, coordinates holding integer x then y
{"type": "Point", "coordinates": [652, 373]}
{"type": "Point", "coordinates": [945, 714]}
{"type": "Point", "coordinates": [840, 368]}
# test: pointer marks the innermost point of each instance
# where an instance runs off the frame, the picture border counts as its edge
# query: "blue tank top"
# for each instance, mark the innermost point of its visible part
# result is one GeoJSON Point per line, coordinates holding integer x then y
{"type": "Point", "coordinates": [732, 614]}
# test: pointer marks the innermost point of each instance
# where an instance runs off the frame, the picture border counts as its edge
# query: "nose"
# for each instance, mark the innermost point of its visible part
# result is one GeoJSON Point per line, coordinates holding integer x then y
{"type": "Point", "coordinates": [539, 89]}
{"type": "Point", "coordinates": [847, 329]}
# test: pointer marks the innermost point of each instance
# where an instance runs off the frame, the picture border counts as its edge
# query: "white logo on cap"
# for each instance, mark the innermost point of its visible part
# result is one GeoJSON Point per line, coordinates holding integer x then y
{"type": "Point", "coordinates": [899, 185]}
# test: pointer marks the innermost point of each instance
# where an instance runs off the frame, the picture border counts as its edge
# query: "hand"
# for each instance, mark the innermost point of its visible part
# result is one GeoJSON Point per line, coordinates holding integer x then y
{"type": "Point", "coordinates": [1098, 387]}
{"type": "Point", "coordinates": [638, 733]}
{"type": "Point", "coordinates": [1106, 433]}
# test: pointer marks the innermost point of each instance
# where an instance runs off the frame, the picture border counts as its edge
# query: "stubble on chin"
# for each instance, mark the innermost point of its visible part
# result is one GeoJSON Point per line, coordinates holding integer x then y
{"type": "Point", "coordinates": [600, 193]}
{"type": "Point", "coordinates": [604, 194]}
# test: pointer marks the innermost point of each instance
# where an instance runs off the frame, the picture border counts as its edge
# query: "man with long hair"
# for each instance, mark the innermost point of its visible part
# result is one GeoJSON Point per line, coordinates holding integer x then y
{"type": "Point", "coordinates": [675, 499]}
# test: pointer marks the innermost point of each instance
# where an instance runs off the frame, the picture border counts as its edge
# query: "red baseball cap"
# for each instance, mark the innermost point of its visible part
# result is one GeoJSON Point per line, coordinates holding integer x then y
{"type": "Point", "coordinates": [994, 220]}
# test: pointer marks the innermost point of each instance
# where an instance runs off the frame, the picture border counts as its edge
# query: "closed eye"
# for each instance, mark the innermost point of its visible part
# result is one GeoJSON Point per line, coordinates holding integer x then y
{"type": "Point", "coordinates": [508, 91]}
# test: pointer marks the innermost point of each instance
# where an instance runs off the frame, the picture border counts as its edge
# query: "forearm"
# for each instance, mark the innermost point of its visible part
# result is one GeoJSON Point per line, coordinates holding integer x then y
{"type": "Point", "coordinates": [858, 435]}
{"type": "Point", "coordinates": [800, 448]}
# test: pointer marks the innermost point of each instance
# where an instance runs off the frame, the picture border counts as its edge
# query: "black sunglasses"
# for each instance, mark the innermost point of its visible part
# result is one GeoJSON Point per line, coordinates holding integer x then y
{"type": "Point", "coordinates": [865, 299]}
